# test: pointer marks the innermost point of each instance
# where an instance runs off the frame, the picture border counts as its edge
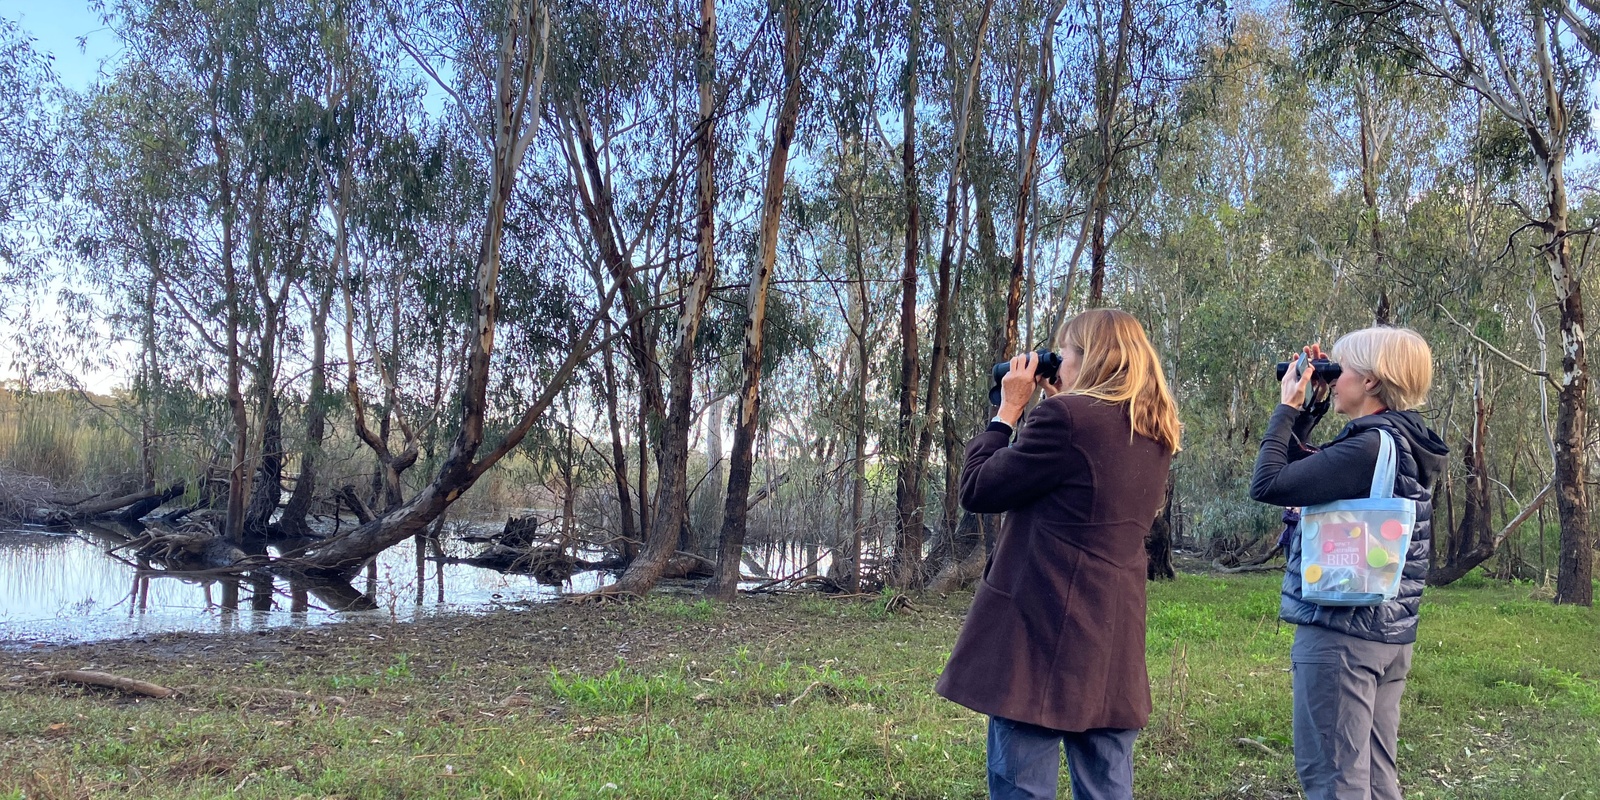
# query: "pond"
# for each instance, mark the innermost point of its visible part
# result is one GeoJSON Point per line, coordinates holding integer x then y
{"type": "Point", "coordinates": [63, 587]}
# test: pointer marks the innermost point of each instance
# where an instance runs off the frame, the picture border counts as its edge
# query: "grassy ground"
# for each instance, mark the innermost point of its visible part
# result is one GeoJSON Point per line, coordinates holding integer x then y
{"type": "Point", "coordinates": [769, 698]}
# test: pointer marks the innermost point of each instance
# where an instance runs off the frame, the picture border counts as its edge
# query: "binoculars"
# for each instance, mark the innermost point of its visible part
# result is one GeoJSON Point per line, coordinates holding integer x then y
{"type": "Point", "coordinates": [1049, 365]}
{"type": "Point", "coordinates": [1326, 370]}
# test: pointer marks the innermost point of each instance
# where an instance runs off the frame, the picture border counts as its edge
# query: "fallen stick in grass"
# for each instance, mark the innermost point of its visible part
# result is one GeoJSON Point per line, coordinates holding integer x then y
{"type": "Point", "coordinates": [147, 689]}
{"type": "Point", "coordinates": [109, 681]}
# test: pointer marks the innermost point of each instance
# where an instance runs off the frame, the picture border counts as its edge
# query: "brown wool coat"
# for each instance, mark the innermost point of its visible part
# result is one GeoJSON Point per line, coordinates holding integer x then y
{"type": "Point", "coordinates": [1056, 632]}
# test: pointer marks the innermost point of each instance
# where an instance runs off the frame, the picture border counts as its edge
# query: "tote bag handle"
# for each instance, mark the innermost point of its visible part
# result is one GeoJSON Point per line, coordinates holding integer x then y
{"type": "Point", "coordinates": [1384, 473]}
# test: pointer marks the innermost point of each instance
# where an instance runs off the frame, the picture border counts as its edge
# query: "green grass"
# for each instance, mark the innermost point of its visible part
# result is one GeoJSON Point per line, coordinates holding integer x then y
{"type": "Point", "coordinates": [801, 697]}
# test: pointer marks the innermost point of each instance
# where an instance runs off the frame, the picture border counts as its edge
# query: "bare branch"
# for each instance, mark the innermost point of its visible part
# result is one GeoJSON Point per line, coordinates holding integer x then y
{"type": "Point", "coordinates": [1497, 351]}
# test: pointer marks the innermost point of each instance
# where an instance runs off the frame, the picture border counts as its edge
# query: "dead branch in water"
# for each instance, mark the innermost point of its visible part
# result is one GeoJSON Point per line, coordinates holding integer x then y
{"type": "Point", "coordinates": [31, 499]}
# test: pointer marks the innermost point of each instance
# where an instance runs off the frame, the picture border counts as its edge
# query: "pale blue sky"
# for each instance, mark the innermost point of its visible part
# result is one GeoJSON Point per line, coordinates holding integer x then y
{"type": "Point", "coordinates": [56, 26]}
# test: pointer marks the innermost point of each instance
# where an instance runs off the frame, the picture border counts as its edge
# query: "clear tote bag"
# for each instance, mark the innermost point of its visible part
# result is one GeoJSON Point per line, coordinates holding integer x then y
{"type": "Point", "coordinates": [1353, 551]}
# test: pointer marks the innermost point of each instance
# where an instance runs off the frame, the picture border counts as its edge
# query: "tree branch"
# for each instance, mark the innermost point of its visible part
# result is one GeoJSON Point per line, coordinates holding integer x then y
{"type": "Point", "coordinates": [1497, 351]}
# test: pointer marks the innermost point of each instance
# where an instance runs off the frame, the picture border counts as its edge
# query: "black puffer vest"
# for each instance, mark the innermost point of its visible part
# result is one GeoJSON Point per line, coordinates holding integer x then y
{"type": "Point", "coordinates": [1394, 622]}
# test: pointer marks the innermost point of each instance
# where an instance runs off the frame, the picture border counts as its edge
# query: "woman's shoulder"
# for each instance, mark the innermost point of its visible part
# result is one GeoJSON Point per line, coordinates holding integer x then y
{"type": "Point", "coordinates": [1085, 408]}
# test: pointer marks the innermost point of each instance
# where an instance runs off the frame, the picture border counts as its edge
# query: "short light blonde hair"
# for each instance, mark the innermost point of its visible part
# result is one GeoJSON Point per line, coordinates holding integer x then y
{"type": "Point", "coordinates": [1398, 358]}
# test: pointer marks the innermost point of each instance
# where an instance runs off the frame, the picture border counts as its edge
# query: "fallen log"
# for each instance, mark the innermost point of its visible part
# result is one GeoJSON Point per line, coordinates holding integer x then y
{"type": "Point", "coordinates": [109, 681]}
{"type": "Point", "coordinates": [141, 497]}
{"type": "Point", "coordinates": [147, 689]}
{"type": "Point", "coordinates": [38, 510]}
{"type": "Point", "coordinates": [1258, 564]}
{"type": "Point", "coordinates": [141, 508]}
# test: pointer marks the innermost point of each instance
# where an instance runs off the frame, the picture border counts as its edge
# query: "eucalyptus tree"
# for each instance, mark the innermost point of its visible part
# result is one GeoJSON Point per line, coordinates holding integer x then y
{"type": "Point", "coordinates": [908, 496]}
{"type": "Point", "coordinates": [30, 176]}
{"type": "Point", "coordinates": [499, 57]}
{"type": "Point", "coordinates": [669, 527]}
{"type": "Point", "coordinates": [964, 68]}
{"type": "Point", "coordinates": [134, 148]}
{"type": "Point", "coordinates": [625, 76]}
{"type": "Point", "coordinates": [209, 106]}
{"type": "Point", "coordinates": [725, 583]}
{"type": "Point", "coordinates": [399, 190]}
{"type": "Point", "coordinates": [848, 208]}
{"type": "Point", "coordinates": [1220, 268]}
{"type": "Point", "coordinates": [1511, 55]}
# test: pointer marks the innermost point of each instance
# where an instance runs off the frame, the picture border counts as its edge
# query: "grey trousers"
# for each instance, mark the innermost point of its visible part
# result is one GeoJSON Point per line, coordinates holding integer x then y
{"type": "Point", "coordinates": [1347, 714]}
{"type": "Point", "coordinates": [1025, 762]}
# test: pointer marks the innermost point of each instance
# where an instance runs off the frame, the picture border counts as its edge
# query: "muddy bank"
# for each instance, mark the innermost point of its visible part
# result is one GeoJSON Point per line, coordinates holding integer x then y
{"type": "Point", "coordinates": [499, 650]}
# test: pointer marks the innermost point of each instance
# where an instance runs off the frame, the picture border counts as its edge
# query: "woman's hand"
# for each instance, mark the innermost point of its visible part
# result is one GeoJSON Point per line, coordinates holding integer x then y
{"type": "Point", "coordinates": [1320, 389]}
{"type": "Point", "coordinates": [1016, 388]}
{"type": "Point", "coordinates": [1051, 387]}
{"type": "Point", "coordinates": [1292, 390]}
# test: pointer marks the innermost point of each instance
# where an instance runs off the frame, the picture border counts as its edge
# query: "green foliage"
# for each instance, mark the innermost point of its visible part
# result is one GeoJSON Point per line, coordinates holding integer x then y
{"type": "Point", "coordinates": [397, 672]}
{"type": "Point", "coordinates": [616, 691]}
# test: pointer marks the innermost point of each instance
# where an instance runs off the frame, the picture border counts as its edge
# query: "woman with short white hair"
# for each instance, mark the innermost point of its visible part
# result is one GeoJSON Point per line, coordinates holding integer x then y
{"type": "Point", "coordinates": [1350, 662]}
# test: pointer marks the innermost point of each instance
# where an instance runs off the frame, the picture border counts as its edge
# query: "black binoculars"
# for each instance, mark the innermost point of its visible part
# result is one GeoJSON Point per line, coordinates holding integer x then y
{"type": "Point", "coordinates": [1326, 370]}
{"type": "Point", "coordinates": [1049, 365]}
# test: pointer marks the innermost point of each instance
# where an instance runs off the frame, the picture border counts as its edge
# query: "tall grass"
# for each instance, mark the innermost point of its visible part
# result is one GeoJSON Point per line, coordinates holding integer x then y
{"type": "Point", "coordinates": [60, 437]}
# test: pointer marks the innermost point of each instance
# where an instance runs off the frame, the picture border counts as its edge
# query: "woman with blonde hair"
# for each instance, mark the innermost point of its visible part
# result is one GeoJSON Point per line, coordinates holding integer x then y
{"type": "Point", "coordinates": [1053, 648]}
{"type": "Point", "coordinates": [1349, 663]}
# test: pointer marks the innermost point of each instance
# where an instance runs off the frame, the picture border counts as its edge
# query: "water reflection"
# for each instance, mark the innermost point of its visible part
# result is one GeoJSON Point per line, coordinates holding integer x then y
{"type": "Point", "coordinates": [64, 587]}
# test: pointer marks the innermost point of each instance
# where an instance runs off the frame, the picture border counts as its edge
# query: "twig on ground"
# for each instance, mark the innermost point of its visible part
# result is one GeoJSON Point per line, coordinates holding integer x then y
{"type": "Point", "coordinates": [796, 701]}
{"type": "Point", "coordinates": [1255, 745]}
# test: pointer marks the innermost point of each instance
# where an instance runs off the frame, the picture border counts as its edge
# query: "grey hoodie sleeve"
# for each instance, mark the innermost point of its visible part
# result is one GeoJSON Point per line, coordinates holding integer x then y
{"type": "Point", "coordinates": [1340, 471]}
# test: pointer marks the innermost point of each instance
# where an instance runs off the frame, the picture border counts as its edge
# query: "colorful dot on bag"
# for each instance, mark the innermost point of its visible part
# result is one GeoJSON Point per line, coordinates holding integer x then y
{"type": "Point", "coordinates": [1314, 573]}
{"type": "Point", "coordinates": [1377, 557]}
{"type": "Point", "coordinates": [1327, 547]}
{"type": "Point", "coordinates": [1357, 531]}
{"type": "Point", "coordinates": [1392, 529]}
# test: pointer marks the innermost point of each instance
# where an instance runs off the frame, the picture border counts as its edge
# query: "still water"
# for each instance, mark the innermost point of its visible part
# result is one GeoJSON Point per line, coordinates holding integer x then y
{"type": "Point", "coordinates": [62, 587]}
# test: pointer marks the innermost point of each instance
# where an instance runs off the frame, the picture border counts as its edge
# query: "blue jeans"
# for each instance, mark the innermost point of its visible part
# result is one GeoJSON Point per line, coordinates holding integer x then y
{"type": "Point", "coordinates": [1025, 762]}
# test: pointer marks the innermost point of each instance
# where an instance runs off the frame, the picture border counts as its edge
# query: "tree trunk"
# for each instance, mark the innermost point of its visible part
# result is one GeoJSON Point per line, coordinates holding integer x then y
{"type": "Point", "coordinates": [619, 460]}
{"type": "Point", "coordinates": [1027, 170]}
{"type": "Point", "coordinates": [1158, 545]}
{"type": "Point", "coordinates": [848, 566]}
{"type": "Point", "coordinates": [1574, 577]}
{"type": "Point", "coordinates": [1473, 534]}
{"type": "Point", "coordinates": [710, 492]}
{"type": "Point", "coordinates": [907, 570]}
{"type": "Point", "coordinates": [267, 491]}
{"type": "Point", "coordinates": [1371, 152]}
{"type": "Point", "coordinates": [238, 463]}
{"type": "Point", "coordinates": [725, 581]}
{"type": "Point", "coordinates": [147, 384]}
{"type": "Point", "coordinates": [666, 535]}
{"type": "Point", "coordinates": [1108, 95]}
{"type": "Point", "coordinates": [907, 489]}
{"type": "Point", "coordinates": [292, 522]}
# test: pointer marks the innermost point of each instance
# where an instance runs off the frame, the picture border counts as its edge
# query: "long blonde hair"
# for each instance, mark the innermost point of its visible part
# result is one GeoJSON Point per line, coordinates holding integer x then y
{"type": "Point", "coordinates": [1118, 365]}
